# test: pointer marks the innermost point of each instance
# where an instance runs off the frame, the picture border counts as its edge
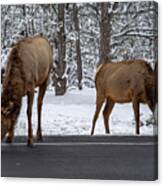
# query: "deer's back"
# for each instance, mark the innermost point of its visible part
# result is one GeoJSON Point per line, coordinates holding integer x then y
{"type": "Point", "coordinates": [120, 81]}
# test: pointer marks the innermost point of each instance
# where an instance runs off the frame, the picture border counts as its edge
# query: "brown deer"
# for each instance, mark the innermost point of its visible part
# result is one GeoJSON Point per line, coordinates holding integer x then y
{"type": "Point", "coordinates": [122, 82]}
{"type": "Point", "coordinates": [28, 66]}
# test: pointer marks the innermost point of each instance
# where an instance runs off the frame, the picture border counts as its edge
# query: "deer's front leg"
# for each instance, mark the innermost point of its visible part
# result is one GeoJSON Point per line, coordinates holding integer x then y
{"type": "Point", "coordinates": [10, 136]}
{"type": "Point", "coordinates": [30, 96]}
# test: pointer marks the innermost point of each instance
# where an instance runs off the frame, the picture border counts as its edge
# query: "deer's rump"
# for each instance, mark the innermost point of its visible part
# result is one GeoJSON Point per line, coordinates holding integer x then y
{"type": "Point", "coordinates": [36, 60]}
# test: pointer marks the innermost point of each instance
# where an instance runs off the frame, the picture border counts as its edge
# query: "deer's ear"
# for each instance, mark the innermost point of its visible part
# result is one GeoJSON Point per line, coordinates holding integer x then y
{"type": "Point", "coordinates": [6, 111]}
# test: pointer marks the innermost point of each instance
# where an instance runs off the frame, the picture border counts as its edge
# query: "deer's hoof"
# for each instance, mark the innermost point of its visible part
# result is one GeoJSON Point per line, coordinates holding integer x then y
{"type": "Point", "coordinates": [39, 138]}
{"type": "Point", "coordinates": [8, 140]}
{"type": "Point", "coordinates": [30, 145]}
{"type": "Point", "coordinates": [107, 132]}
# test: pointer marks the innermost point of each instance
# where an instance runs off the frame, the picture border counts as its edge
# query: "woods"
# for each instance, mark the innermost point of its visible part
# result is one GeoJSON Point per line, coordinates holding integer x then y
{"type": "Point", "coordinates": [60, 64]}
{"type": "Point", "coordinates": [82, 35]}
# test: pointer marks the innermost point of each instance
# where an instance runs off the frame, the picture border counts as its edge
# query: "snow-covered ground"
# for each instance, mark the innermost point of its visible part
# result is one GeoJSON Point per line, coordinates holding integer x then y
{"type": "Point", "coordinates": [72, 114]}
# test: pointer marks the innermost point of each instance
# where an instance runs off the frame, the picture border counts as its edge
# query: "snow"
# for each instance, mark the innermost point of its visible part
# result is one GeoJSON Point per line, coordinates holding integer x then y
{"type": "Point", "coordinates": [72, 114]}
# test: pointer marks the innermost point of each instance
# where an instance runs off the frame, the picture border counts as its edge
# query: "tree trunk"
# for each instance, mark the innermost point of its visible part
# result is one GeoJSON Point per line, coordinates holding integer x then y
{"type": "Point", "coordinates": [78, 50]}
{"type": "Point", "coordinates": [104, 33]}
{"type": "Point", "coordinates": [5, 28]}
{"type": "Point", "coordinates": [32, 22]}
{"type": "Point", "coordinates": [61, 81]}
{"type": "Point", "coordinates": [26, 28]}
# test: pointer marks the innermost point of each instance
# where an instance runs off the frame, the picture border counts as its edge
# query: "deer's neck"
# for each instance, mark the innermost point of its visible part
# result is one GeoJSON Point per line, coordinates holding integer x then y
{"type": "Point", "coordinates": [14, 85]}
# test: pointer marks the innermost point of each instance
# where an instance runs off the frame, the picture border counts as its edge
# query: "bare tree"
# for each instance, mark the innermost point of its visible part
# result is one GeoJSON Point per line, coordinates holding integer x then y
{"type": "Point", "coordinates": [60, 65]}
{"type": "Point", "coordinates": [78, 50]}
{"type": "Point", "coordinates": [25, 32]}
{"type": "Point", "coordinates": [32, 21]}
{"type": "Point", "coordinates": [104, 32]}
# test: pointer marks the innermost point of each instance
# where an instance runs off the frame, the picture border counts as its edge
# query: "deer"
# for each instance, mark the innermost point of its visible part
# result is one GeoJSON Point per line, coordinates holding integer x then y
{"type": "Point", "coordinates": [28, 66]}
{"type": "Point", "coordinates": [123, 82]}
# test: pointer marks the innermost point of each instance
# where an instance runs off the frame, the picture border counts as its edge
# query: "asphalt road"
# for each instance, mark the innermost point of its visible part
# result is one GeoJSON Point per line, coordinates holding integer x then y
{"type": "Point", "coordinates": [82, 157]}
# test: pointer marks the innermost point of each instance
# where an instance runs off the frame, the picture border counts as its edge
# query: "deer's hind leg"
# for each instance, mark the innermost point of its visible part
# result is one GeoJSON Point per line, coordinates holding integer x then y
{"type": "Point", "coordinates": [136, 106]}
{"type": "Point", "coordinates": [106, 113]}
{"type": "Point", "coordinates": [42, 90]}
{"type": "Point", "coordinates": [99, 102]}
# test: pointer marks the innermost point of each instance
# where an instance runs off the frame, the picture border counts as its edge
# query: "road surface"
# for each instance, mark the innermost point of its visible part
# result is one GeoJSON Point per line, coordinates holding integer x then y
{"type": "Point", "coordinates": [88, 157]}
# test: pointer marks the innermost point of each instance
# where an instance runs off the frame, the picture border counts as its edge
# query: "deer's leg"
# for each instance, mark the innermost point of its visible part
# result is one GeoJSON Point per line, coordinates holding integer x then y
{"type": "Point", "coordinates": [99, 103]}
{"type": "Point", "coordinates": [136, 113]}
{"type": "Point", "coordinates": [30, 96]}
{"type": "Point", "coordinates": [106, 113]}
{"type": "Point", "coordinates": [151, 106]}
{"type": "Point", "coordinates": [42, 90]}
{"type": "Point", "coordinates": [10, 136]}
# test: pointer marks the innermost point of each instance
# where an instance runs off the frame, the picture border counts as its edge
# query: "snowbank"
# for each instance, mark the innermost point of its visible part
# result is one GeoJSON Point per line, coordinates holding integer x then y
{"type": "Point", "coordinates": [72, 114]}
